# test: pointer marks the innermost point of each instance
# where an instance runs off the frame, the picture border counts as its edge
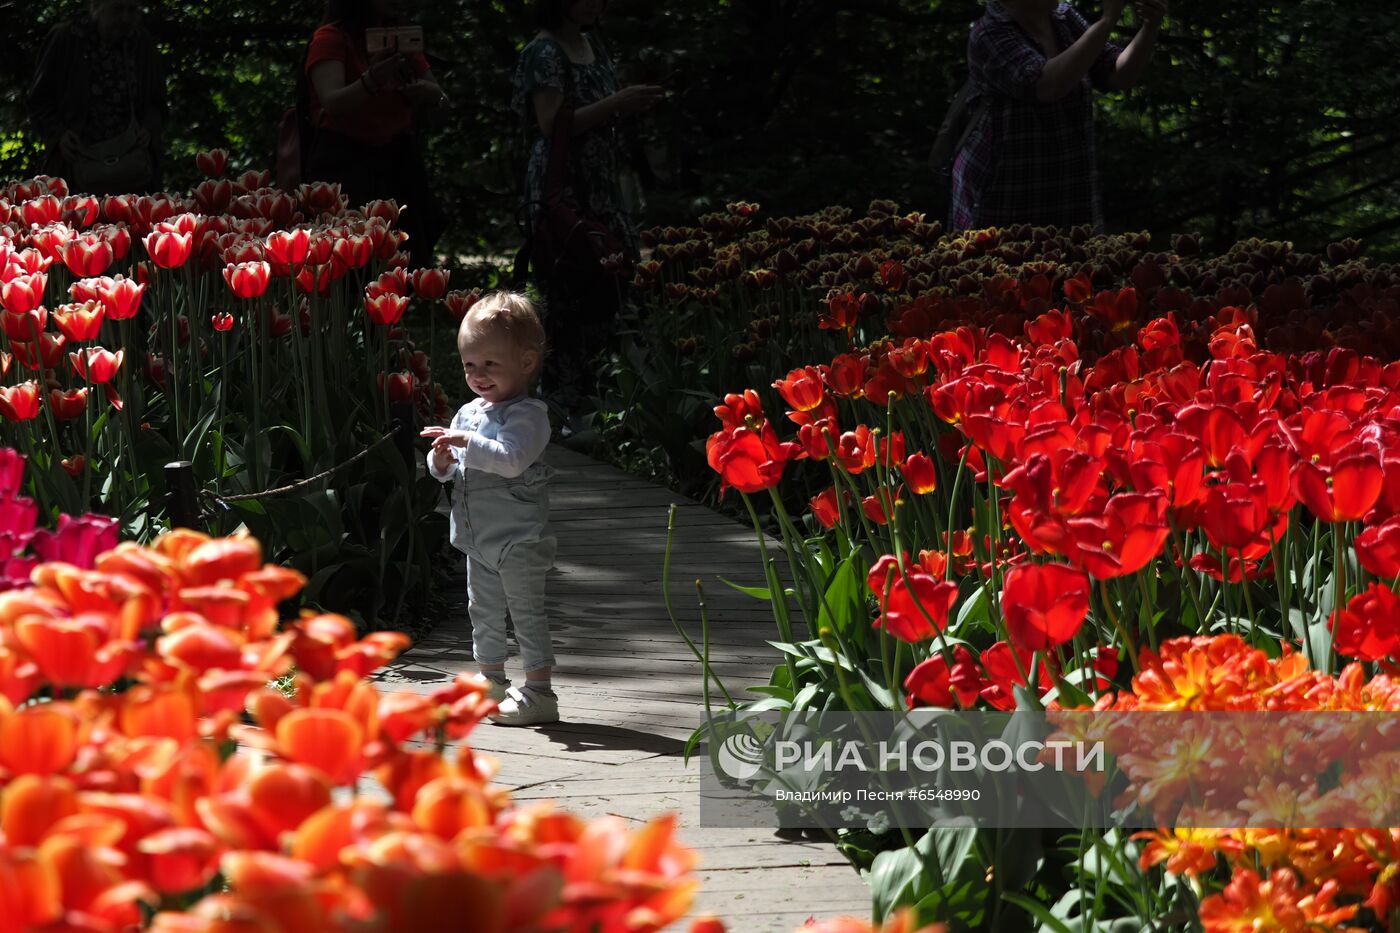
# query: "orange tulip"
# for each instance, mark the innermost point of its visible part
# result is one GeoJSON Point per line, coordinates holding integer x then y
{"type": "Point", "coordinates": [77, 652]}
{"type": "Point", "coordinates": [168, 711]}
{"type": "Point", "coordinates": [283, 796]}
{"type": "Point", "coordinates": [216, 560]}
{"type": "Point", "coordinates": [81, 321]}
{"type": "Point", "coordinates": [40, 739]}
{"type": "Point", "coordinates": [404, 715]}
{"type": "Point", "coordinates": [181, 858]}
{"type": "Point", "coordinates": [322, 837]}
{"type": "Point", "coordinates": [448, 805]}
{"type": "Point", "coordinates": [385, 309]}
{"type": "Point", "coordinates": [32, 805]}
{"type": "Point", "coordinates": [280, 888]}
{"type": "Point", "coordinates": [327, 739]}
{"type": "Point", "coordinates": [30, 896]}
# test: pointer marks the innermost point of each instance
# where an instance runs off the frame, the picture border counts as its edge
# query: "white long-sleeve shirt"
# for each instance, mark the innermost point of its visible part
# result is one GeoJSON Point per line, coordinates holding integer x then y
{"type": "Point", "coordinates": [500, 497]}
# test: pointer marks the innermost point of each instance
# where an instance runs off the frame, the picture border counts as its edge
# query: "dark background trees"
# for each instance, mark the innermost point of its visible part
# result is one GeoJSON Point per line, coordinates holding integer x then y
{"type": "Point", "coordinates": [1279, 120]}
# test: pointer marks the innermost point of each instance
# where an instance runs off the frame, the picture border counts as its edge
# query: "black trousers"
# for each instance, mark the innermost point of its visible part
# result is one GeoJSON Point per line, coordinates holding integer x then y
{"type": "Point", "coordinates": [392, 171]}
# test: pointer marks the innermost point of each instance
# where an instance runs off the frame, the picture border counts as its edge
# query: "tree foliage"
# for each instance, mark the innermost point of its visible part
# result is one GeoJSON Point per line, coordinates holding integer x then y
{"type": "Point", "coordinates": [1269, 119]}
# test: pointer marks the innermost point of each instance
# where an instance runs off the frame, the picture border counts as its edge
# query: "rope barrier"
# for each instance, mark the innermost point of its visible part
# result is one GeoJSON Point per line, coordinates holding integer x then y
{"type": "Point", "coordinates": [223, 501]}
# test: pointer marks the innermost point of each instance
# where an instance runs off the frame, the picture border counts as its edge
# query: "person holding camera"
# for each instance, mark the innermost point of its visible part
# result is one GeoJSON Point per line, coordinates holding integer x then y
{"type": "Point", "coordinates": [363, 106]}
{"type": "Point", "coordinates": [1031, 157]}
{"type": "Point", "coordinates": [98, 101]}
{"type": "Point", "coordinates": [566, 65]}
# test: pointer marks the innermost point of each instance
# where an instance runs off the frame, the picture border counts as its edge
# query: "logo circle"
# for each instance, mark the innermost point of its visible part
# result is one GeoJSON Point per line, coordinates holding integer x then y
{"type": "Point", "coordinates": [740, 756]}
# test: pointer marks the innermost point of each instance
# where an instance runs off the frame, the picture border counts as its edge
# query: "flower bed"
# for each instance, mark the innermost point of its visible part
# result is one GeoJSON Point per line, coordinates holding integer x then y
{"type": "Point", "coordinates": [739, 300]}
{"type": "Point", "coordinates": [1045, 486]}
{"type": "Point", "coordinates": [251, 331]}
{"type": "Point", "coordinates": [154, 777]}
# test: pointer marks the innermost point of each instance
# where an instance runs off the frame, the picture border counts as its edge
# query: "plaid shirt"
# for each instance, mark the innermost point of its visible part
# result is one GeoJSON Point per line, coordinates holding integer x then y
{"type": "Point", "coordinates": [1029, 161]}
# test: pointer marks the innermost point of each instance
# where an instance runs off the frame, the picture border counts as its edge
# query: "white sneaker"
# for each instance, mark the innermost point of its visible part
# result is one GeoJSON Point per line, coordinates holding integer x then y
{"type": "Point", "coordinates": [495, 689]}
{"type": "Point", "coordinates": [526, 708]}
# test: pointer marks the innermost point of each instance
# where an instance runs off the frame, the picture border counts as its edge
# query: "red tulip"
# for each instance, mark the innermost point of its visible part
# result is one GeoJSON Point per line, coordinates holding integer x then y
{"type": "Point", "coordinates": [214, 195]}
{"type": "Point", "coordinates": [49, 355]}
{"type": "Point", "coordinates": [393, 282]}
{"type": "Point", "coordinates": [802, 389]}
{"type": "Point", "coordinates": [1345, 493]}
{"type": "Point", "coordinates": [122, 298]}
{"type": "Point", "coordinates": [1235, 515]}
{"type": "Point", "coordinates": [1044, 604]}
{"type": "Point", "coordinates": [74, 466]}
{"type": "Point", "coordinates": [931, 683]}
{"type": "Point", "coordinates": [68, 405]}
{"type": "Point", "coordinates": [315, 278]}
{"type": "Point", "coordinates": [248, 279]}
{"type": "Point", "coordinates": [741, 411]}
{"type": "Point", "coordinates": [920, 475]}
{"type": "Point", "coordinates": [222, 322]}
{"type": "Point", "coordinates": [1369, 627]}
{"type": "Point", "coordinates": [914, 611]}
{"type": "Point", "coordinates": [353, 252]}
{"type": "Point", "coordinates": [385, 309]}
{"type": "Point", "coordinates": [169, 250]}
{"type": "Point", "coordinates": [20, 402]}
{"type": "Point", "coordinates": [826, 507]}
{"type": "Point", "coordinates": [95, 364]}
{"type": "Point", "coordinates": [26, 325]}
{"type": "Point", "coordinates": [23, 293]}
{"type": "Point", "coordinates": [1378, 549]}
{"type": "Point", "coordinates": [118, 237]}
{"type": "Point", "coordinates": [87, 256]}
{"type": "Point", "coordinates": [40, 211]}
{"type": "Point", "coordinates": [155, 369]}
{"type": "Point", "coordinates": [879, 508]}
{"type": "Point", "coordinates": [400, 386]}
{"type": "Point", "coordinates": [1129, 535]}
{"type": "Point", "coordinates": [289, 247]}
{"type": "Point", "coordinates": [749, 460]}
{"type": "Point", "coordinates": [79, 322]}
{"type": "Point", "coordinates": [460, 302]}
{"type": "Point", "coordinates": [212, 164]}
{"type": "Point", "coordinates": [430, 283]}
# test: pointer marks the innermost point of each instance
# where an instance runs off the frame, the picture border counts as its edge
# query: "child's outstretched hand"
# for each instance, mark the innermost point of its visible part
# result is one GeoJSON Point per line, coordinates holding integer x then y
{"type": "Point", "coordinates": [446, 437]}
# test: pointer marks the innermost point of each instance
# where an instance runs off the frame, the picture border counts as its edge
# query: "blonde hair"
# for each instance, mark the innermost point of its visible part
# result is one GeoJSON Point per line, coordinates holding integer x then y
{"type": "Point", "coordinates": [509, 314]}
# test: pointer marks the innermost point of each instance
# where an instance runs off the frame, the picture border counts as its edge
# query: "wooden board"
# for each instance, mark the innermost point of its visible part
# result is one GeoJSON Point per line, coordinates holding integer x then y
{"type": "Point", "coordinates": [630, 689]}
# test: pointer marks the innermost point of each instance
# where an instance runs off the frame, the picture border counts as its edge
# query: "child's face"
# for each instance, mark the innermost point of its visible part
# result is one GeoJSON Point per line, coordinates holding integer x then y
{"type": "Point", "coordinates": [496, 369]}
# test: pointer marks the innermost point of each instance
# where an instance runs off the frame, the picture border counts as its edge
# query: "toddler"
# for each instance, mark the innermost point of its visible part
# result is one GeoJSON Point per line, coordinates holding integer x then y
{"type": "Point", "coordinates": [500, 501]}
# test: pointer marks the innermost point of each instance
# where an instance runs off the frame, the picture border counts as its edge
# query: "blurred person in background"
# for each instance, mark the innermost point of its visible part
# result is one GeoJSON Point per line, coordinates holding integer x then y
{"type": "Point", "coordinates": [98, 101]}
{"type": "Point", "coordinates": [1031, 158]}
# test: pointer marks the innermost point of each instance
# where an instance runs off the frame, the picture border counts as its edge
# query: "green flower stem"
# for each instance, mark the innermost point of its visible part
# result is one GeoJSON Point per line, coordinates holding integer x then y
{"type": "Point", "coordinates": [775, 593]}
{"type": "Point", "coordinates": [1182, 573]}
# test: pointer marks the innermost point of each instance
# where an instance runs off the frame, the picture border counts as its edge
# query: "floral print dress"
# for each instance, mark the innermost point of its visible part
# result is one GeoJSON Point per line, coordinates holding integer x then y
{"type": "Point", "coordinates": [598, 166]}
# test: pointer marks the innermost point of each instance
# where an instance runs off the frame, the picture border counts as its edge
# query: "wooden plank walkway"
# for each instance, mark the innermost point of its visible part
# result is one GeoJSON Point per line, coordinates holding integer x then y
{"type": "Point", "coordinates": [629, 688]}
